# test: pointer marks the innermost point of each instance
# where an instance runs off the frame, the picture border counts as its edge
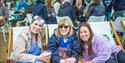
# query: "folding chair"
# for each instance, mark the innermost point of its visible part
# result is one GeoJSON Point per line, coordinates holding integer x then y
{"type": "Point", "coordinates": [13, 34]}
{"type": "Point", "coordinates": [51, 28]}
{"type": "Point", "coordinates": [123, 25]}
{"type": "Point", "coordinates": [118, 26]}
{"type": "Point", "coordinates": [96, 19]}
{"type": "Point", "coordinates": [104, 29]}
{"type": "Point", "coordinates": [116, 35]}
{"type": "Point", "coordinates": [2, 27]}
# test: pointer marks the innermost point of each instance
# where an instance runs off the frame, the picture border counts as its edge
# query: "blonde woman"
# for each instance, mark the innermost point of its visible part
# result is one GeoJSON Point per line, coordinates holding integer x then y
{"type": "Point", "coordinates": [63, 43]}
{"type": "Point", "coordinates": [30, 44]}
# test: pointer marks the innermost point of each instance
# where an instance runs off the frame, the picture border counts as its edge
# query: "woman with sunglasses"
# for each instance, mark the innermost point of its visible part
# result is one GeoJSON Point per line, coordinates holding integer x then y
{"type": "Point", "coordinates": [96, 49]}
{"type": "Point", "coordinates": [63, 43]}
{"type": "Point", "coordinates": [30, 44]}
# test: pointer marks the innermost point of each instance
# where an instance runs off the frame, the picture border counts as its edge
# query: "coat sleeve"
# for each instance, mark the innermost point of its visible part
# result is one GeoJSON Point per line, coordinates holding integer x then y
{"type": "Point", "coordinates": [20, 51]}
{"type": "Point", "coordinates": [75, 49]}
{"type": "Point", "coordinates": [104, 51]}
{"type": "Point", "coordinates": [89, 12]}
{"type": "Point", "coordinates": [53, 46]}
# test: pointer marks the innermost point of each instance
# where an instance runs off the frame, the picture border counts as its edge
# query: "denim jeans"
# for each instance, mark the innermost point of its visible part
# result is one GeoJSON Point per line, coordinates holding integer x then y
{"type": "Point", "coordinates": [121, 57]}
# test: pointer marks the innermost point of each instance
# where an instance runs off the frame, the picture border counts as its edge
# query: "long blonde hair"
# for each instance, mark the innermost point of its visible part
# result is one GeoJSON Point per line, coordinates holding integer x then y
{"type": "Point", "coordinates": [42, 35]}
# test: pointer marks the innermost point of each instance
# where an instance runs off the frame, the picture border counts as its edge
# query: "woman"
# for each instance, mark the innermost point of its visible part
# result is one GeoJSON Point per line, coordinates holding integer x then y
{"type": "Point", "coordinates": [30, 44]}
{"type": "Point", "coordinates": [63, 43]}
{"type": "Point", "coordinates": [51, 13]}
{"type": "Point", "coordinates": [80, 5]}
{"type": "Point", "coordinates": [97, 50]}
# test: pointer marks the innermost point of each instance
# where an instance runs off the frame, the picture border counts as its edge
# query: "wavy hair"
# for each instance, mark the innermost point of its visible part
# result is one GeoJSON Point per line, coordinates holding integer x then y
{"type": "Point", "coordinates": [42, 34]}
{"type": "Point", "coordinates": [62, 22]}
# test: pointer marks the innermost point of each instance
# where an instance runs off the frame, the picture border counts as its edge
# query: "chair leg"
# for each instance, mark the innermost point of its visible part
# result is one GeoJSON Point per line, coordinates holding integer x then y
{"type": "Point", "coordinates": [116, 59]}
{"type": "Point", "coordinates": [4, 36]}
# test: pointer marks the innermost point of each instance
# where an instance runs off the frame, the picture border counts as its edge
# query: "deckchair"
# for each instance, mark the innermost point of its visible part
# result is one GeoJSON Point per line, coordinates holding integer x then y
{"type": "Point", "coordinates": [13, 33]}
{"type": "Point", "coordinates": [116, 35]}
{"type": "Point", "coordinates": [103, 29]}
{"type": "Point", "coordinates": [123, 25]}
{"type": "Point", "coordinates": [118, 26]}
{"type": "Point", "coordinates": [96, 19]}
{"type": "Point", "coordinates": [51, 29]}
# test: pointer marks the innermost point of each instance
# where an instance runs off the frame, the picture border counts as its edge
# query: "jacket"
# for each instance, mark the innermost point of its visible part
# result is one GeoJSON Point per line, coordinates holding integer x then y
{"type": "Point", "coordinates": [22, 46]}
{"type": "Point", "coordinates": [53, 45]}
{"type": "Point", "coordinates": [67, 9]}
{"type": "Point", "coordinates": [95, 9]}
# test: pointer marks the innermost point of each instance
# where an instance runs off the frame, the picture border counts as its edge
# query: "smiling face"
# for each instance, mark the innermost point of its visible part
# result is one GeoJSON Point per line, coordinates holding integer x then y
{"type": "Point", "coordinates": [84, 33]}
{"type": "Point", "coordinates": [64, 29]}
{"type": "Point", "coordinates": [36, 27]}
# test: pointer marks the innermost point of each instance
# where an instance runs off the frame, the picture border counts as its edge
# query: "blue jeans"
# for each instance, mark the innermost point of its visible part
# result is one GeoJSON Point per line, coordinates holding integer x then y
{"type": "Point", "coordinates": [111, 60]}
{"type": "Point", "coordinates": [121, 57]}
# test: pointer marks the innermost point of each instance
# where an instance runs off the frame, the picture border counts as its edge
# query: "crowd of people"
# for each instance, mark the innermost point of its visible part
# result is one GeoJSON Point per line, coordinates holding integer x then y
{"type": "Point", "coordinates": [77, 10]}
{"type": "Point", "coordinates": [66, 44]}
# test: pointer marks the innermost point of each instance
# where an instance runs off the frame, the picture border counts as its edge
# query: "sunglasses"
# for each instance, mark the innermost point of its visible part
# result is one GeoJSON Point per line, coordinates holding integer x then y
{"type": "Point", "coordinates": [65, 26]}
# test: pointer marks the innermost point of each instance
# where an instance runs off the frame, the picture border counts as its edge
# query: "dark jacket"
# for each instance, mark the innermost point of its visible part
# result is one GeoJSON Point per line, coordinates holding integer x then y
{"type": "Point", "coordinates": [79, 14]}
{"type": "Point", "coordinates": [67, 9]}
{"type": "Point", "coordinates": [118, 5]}
{"type": "Point", "coordinates": [51, 16]}
{"type": "Point", "coordinates": [40, 10]}
{"type": "Point", "coordinates": [95, 9]}
{"type": "Point", "coordinates": [53, 45]}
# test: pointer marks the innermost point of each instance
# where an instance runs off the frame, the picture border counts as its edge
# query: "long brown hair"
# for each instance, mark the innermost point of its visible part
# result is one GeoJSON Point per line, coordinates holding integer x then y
{"type": "Point", "coordinates": [90, 51]}
{"type": "Point", "coordinates": [48, 4]}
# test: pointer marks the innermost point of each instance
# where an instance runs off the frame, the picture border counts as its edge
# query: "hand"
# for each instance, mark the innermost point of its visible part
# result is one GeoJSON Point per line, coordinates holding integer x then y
{"type": "Point", "coordinates": [70, 60]}
{"type": "Point", "coordinates": [62, 61]}
{"type": "Point", "coordinates": [43, 57]}
{"type": "Point", "coordinates": [88, 61]}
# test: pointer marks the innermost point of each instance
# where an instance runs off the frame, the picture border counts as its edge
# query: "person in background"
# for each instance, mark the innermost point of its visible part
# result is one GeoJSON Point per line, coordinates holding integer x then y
{"type": "Point", "coordinates": [30, 44]}
{"type": "Point", "coordinates": [108, 12]}
{"type": "Point", "coordinates": [67, 9]}
{"type": "Point", "coordinates": [4, 11]}
{"type": "Point", "coordinates": [80, 5]}
{"type": "Point", "coordinates": [51, 13]}
{"type": "Point", "coordinates": [22, 5]}
{"type": "Point", "coordinates": [95, 49]}
{"type": "Point", "coordinates": [95, 9]}
{"type": "Point", "coordinates": [40, 9]}
{"type": "Point", "coordinates": [118, 7]}
{"type": "Point", "coordinates": [63, 43]}
{"type": "Point", "coordinates": [56, 5]}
